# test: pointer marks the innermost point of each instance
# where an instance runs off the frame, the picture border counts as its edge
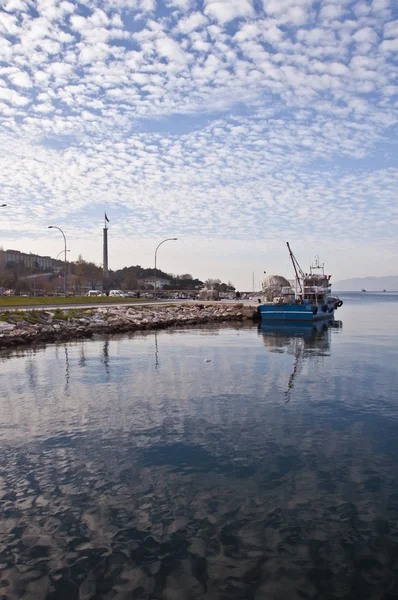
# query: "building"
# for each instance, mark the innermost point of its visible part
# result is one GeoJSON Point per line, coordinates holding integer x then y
{"type": "Point", "coordinates": [32, 261]}
{"type": "Point", "coordinates": [150, 280]}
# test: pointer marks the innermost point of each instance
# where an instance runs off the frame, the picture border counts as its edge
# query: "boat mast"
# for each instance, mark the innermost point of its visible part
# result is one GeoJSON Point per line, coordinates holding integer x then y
{"type": "Point", "coordinates": [296, 266]}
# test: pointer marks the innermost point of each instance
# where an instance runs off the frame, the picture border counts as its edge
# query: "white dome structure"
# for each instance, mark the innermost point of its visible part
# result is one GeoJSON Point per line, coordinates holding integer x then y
{"type": "Point", "coordinates": [275, 286]}
{"type": "Point", "coordinates": [276, 281]}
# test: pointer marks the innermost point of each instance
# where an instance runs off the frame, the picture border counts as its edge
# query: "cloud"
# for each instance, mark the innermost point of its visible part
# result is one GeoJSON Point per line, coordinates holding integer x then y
{"type": "Point", "coordinates": [389, 45]}
{"type": "Point", "coordinates": [391, 29]}
{"type": "Point", "coordinates": [224, 11]}
{"type": "Point", "coordinates": [366, 34]}
{"type": "Point", "coordinates": [295, 12]}
{"type": "Point", "coordinates": [145, 6]}
{"type": "Point", "coordinates": [194, 21]}
{"type": "Point", "coordinates": [12, 97]}
{"type": "Point", "coordinates": [170, 49]}
{"type": "Point", "coordinates": [21, 79]}
{"type": "Point", "coordinates": [182, 5]}
{"type": "Point", "coordinates": [201, 114]}
{"type": "Point", "coordinates": [331, 11]}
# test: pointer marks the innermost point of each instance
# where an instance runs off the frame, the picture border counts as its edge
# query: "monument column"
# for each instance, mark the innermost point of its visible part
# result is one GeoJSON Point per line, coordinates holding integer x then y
{"type": "Point", "coordinates": [105, 272]}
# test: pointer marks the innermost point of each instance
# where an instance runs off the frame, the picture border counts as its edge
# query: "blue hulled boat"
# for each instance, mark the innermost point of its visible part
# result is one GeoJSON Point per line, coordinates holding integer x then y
{"type": "Point", "coordinates": [309, 300]}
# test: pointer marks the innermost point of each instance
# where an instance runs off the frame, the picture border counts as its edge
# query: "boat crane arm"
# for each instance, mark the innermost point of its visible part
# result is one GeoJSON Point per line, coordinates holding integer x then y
{"type": "Point", "coordinates": [296, 266]}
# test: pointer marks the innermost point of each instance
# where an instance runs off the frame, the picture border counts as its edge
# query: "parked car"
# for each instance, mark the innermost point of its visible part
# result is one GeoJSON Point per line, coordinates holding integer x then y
{"type": "Point", "coordinates": [93, 293]}
{"type": "Point", "coordinates": [117, 294]}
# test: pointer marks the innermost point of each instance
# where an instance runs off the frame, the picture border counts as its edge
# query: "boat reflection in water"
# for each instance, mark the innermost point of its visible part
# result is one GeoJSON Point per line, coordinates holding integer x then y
{"type": "Point", "coordinates": [305, 341]}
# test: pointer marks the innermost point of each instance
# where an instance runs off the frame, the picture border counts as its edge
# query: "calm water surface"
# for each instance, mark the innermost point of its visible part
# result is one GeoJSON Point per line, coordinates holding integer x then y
{"type": "Point", "coordinates": [132, 468]}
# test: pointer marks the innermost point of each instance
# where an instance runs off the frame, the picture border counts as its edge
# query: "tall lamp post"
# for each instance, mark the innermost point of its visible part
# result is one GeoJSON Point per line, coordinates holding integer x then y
{"type": "Point", "coordinates": [162, 242]}
{"type": "Point", "coordinates": [65, 250]}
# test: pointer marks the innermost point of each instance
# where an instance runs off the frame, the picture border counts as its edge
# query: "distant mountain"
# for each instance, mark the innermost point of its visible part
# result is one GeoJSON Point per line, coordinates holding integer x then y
{"type": "Point", "coordinates": [370, 284]}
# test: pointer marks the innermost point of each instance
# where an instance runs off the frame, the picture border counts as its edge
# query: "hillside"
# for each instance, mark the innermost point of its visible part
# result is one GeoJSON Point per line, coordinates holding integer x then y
{"type": "Point", "coordinates": [370, 284]}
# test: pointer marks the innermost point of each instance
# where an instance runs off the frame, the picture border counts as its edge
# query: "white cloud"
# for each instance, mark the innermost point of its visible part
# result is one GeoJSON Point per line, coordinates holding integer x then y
{"type": "Point", "coordinates": [8, 24]}
{"type": "Point", "coordinates": [337, 69]}
{"type": "Point", "coordinates": [13, 97]}
{"type": "Point", "coordinates": [21, 79]}
{"type": "Point", "coordinates": [146, 6]}
{"type": "Point", "coordinates": [389, 45]}
{"type": "Point", "coordinates": [366, 34]}
{"type": "Point", "coordinates": [295, 12]}
{"type": "Point", "coordinates": [170, 49]}
{"type": "Point", "coordinates": [81, 100]}
{"type": "Point", "coordinates": [15, 5]}
{"type": "Point", "coordinates": [331, 11]}
{"type": "Point", "coordinates": [224, 11]}
{"type": "Point", "coordinates": [391, 29]}
{"type": "Point", "coordinates": [183, 5]}
{"type": "Point", "coordinates": [194, 21]}
{"type": "Point", "coordinates": [248, 31]}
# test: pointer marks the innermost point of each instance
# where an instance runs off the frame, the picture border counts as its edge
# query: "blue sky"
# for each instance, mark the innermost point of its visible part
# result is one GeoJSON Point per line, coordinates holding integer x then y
{"type": "Point", "coordinates": [234, 125]}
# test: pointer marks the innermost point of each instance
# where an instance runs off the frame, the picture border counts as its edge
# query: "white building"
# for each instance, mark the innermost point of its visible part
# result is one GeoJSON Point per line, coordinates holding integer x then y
{"type": "Point", "coordinates": [28, 260]}
{"type": "Point", "coordinates": [160, 282]}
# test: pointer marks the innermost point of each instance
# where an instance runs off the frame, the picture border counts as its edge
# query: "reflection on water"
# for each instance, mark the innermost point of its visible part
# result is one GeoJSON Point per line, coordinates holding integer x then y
{"type": "Point", "coordinates": [303, 340]}
{"type": "Point", "coordinates": [132, 468]}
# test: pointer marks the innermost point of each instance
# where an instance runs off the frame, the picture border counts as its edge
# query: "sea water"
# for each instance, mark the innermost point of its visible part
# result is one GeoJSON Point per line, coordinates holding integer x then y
{"type": "Point", "coordinates": [224, 462]}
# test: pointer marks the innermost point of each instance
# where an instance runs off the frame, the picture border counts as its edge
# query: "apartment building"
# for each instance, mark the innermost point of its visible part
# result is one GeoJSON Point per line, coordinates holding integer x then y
{"type": "Point", "coordinates": [33, 261]}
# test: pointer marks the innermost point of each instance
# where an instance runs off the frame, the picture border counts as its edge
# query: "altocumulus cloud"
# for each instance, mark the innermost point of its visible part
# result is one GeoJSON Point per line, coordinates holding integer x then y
{"type": "Point", "coordinates": [224, 118]}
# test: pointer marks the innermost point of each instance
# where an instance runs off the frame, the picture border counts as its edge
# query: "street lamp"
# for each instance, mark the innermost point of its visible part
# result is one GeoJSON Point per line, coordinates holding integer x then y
{"type": "Point", "coordinates": [65, 276]}
{"type": "Point", "coordinates": [61, 253]}
{"type": "Point", "coordinates": [166, 240]}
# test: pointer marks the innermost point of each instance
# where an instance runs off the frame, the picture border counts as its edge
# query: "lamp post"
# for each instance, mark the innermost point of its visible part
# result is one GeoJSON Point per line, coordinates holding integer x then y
{"type": "Point", "coordinates": [162, 242]}
{"type": "Point", "coordinates": [65, 250]}
{"type": "Point", "coordinates": [61, 253]}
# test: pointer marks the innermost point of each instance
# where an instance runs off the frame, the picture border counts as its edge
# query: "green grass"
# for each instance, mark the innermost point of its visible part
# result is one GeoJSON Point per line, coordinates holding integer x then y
{"type": "Point", "coordinates": [51, 301]}
{"type": "Point", "coordinates": [31, 316]}
{"type": "Point", "coordinates": [36, 315]}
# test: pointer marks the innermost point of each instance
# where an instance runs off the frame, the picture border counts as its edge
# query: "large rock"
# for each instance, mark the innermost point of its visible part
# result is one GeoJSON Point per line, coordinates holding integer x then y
{"type": "Point", "coordinates": [6, 327]}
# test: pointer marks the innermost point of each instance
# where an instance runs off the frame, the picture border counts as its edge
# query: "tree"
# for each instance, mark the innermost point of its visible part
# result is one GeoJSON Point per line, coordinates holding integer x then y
{"type": "Point", "coordinates": [220, 287]}
{"type": "Point", "coordinates": [129, 282]}
{"type": "Point", "coordinates": [93, 274]}
{"type": "Point", "coordinates": [87, 272]}
{"type": "Point", "coordinates": [7, 279]}
{"type": "Point", "coordinates": [22, 285]}
{"type": "Point", "coordinates": [213, 283]}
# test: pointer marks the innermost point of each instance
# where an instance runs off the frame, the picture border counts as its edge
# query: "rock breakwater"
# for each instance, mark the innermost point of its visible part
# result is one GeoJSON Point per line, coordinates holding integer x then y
{"type": "Point", "coordinates": [31, 327]}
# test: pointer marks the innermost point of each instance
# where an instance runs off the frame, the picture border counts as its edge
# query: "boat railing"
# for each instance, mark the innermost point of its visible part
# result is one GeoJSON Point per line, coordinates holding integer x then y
{"type": "Point", "coordinates": [314, 289]}
{"type": "Point", "coordinates": [287, 291]}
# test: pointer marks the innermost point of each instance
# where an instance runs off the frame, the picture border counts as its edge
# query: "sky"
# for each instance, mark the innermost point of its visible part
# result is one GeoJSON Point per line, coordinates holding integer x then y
{"type": "Point", "coordinates": [233, 125]}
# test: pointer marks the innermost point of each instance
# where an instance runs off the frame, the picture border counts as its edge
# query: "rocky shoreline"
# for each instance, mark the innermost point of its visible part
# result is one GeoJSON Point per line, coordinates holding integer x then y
{"type": "Point", "coordinates": [19, 328]}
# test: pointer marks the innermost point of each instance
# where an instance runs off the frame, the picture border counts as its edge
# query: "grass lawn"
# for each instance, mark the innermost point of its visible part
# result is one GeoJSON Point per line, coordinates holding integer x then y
{"type": "Point", "coordinates": [46, 300]}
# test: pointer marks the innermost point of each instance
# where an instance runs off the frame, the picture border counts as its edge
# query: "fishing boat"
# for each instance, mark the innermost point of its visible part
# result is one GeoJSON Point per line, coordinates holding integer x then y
{"type": "Point", "coordinates": [308, 299]}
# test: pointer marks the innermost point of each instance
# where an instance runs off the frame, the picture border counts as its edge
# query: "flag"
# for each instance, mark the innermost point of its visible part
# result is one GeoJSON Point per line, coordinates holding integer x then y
{"type": "Point", "coordinates": [106, 218]}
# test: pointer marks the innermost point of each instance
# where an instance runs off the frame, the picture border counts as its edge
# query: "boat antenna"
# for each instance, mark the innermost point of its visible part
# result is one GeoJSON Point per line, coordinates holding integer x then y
{"type": "Point", "coordinates": [296, 266]}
